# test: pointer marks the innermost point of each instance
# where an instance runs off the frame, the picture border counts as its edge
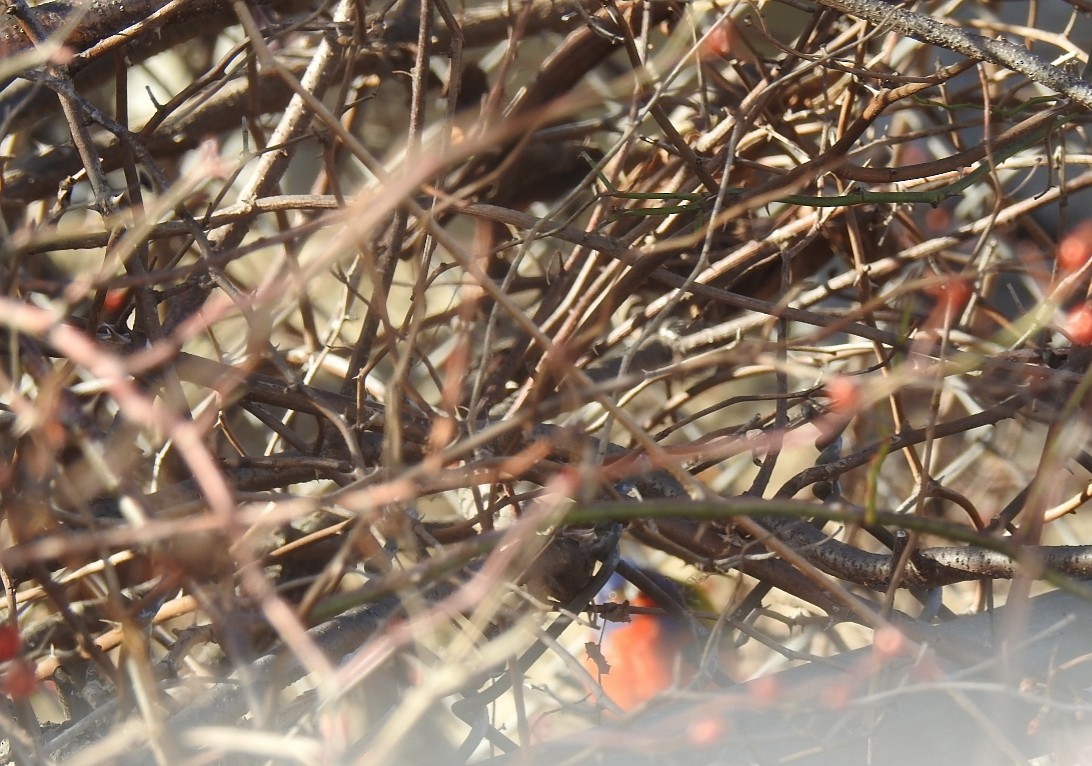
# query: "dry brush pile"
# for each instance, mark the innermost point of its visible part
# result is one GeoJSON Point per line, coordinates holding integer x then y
{"type": "Point", "coordinates": [349, 349]}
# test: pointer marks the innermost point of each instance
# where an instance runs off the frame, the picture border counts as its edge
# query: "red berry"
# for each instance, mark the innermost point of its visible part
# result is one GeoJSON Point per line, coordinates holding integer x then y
{"type": "Point", "coordinates": [1075, 248]}
{"type": "Point", "coordinates": [951, 295]}
{"type": "Point", "coordinates": [728, 40]}
{"type": "Point", "coordinates": [720, 41]}
{"type": "Point", "coordinates": [10, 642]}
{"type": "Point", "coordinates": [887, 643]}
{"type": "Point", "coordinates": [706, 730]}
{"type": "Point", "coordinates": [845, 397]}
{"type": "Point", "coordinates": [1078, 325]}
{"type": "Point", "coordinates": [115, 300]}
{"type": "Point", "coordinates": [19, 680]}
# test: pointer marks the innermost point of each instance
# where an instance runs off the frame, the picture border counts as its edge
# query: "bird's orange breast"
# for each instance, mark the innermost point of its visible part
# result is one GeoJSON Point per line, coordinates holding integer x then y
{"type": "Point", "coordinates": [645, 657]}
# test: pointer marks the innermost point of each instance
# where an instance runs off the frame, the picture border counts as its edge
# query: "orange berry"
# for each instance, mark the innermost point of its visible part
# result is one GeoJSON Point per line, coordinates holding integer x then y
{"type": "Point", "coordinates": [706, 730]}
{"type": "Point", "coordinates": [62, 56]}
{"type": "Point", "coordinates": [764, 691]}
{"type": "Point", "coordinates": [836, 695]}
{"type": "Point", "coordinates": [1078, 325]}
{"type": "Point", "coordinates": [1075, 248]}
{"type": "Point", "coordinates": [887, 642]}
{"type": "Point", "coordinates": [844, 396]}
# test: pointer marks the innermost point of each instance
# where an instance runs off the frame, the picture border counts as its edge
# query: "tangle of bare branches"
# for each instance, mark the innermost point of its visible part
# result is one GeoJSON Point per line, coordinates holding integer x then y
{"type": "Point", "coordinates": [353, 352]}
